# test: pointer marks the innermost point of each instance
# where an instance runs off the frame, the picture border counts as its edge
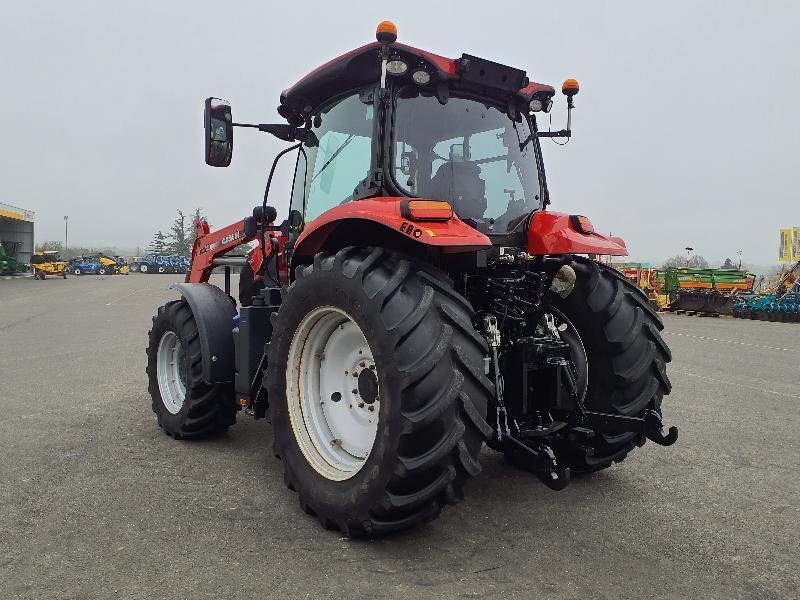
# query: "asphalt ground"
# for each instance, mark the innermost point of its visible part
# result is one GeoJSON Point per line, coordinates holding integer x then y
{"type": "Point", "coordinates": [96, 502]}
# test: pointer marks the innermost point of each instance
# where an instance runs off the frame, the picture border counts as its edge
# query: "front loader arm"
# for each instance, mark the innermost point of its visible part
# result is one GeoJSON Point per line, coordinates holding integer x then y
{"type": "Point", "coordinates": [209, 246]}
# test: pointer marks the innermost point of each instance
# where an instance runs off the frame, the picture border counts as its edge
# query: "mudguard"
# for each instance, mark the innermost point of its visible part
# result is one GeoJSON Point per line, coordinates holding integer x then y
{"type": "Point", "coordinates": [452, 235]}
{"type": "Point", "coordinates": [213, 311]}
{"type": "Point", "coordinates": [555, 233]}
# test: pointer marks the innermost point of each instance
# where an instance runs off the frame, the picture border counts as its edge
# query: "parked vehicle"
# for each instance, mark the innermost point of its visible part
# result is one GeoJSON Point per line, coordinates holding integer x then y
{"type": "Point", "coordinates": [134, 263]}
{"type": "Point", "coordinates": [9, 264]}
{"type": "Point", "coordinates": [48, 263]}
{"type": "Point", "coordinates": [84, 265]}
{"type": "Point", "coordinates": [418, 300]}
{"type": "Point", "coordinates": [163, 264]}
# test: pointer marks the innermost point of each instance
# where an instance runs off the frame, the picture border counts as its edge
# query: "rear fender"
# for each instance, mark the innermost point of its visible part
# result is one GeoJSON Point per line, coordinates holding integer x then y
{"type": "Point", "coordinates": [555, 233]}
{"type": "Point", "coordinates": [381, 219]}
{"type": "Point", "coordinates": [213, 311]}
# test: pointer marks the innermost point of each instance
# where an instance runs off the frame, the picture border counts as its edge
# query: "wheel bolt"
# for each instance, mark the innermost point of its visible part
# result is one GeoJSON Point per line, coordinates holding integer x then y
{"type": "Point", "coordinates": [355, 392]}
{"type": "Point", "coordinates": [371, 408]}
{"type": "Point", "coordinates": [360, 405]}
{"type": "Point", "coordinates": [363, 365]}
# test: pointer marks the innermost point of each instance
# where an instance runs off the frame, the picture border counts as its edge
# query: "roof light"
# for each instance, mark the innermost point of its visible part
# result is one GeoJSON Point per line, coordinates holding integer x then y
{"type": "Point", "coordinates": [396, 67]}
{"type": "Point", "coordinates": [426, 210]}
{"type": "Point", "coordinates": [421, 77]}
{"type": "Point", "coordinates": [386, 33]}
{"type": "Point", "coordinates": [570, 87]}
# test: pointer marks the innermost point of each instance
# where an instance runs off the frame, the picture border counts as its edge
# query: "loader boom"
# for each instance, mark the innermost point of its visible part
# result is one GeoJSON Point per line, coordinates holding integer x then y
{"type": "Point", "coordinates": [210, 247]}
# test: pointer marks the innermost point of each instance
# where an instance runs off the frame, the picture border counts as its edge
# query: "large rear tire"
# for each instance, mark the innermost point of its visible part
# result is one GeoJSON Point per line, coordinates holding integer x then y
{"type": "Point", "coordinates": [414, 333]}
{"type": "Point", "coordinates": [626, 354]}
{"type": "Point", "coordinates": [185, 406]}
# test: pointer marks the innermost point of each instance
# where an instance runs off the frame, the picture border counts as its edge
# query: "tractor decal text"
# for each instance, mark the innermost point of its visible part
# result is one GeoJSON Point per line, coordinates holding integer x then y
{"type": "Point", "coordinates": [231, 237]}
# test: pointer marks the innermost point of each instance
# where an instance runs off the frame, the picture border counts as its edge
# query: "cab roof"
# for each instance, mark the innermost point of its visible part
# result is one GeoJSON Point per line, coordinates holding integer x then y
{"type": "Point", "coordinates": [361, 67]}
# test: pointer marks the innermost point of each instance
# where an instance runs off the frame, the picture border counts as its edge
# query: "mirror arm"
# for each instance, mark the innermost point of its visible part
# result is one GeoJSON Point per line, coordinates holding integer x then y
{"type": "Point", "coordinates": [561, 133]}
{"type": "Point", "coordinates": [283, 132]}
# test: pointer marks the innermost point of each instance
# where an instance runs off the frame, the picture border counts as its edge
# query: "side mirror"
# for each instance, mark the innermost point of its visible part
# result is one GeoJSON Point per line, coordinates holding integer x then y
{"type": "Point", "coordinates": [219, 132]}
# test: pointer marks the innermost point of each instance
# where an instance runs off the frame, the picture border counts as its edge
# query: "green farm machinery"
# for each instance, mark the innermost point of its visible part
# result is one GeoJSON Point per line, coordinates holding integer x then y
{"type": "Point", "coordinates": [706, 291]}
{"type": "Point", "coordinates": [9, 264]}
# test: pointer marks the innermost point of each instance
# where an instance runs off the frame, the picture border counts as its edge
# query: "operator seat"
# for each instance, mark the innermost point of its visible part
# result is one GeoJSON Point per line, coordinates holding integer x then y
{"type": "Point", "coordinates": [460, 184]}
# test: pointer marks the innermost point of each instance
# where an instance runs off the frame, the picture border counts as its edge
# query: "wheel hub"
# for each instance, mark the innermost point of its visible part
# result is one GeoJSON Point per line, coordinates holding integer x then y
{"type": "Point", "coordinates": [171, 372]}
{"type": "Point", "coordinates": [368, 386]}
{"type": "Point", "coordinates": [333, 393]}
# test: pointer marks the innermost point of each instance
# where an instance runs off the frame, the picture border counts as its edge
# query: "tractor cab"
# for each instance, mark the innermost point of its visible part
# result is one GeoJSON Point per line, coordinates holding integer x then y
{"type": "Point", "coordinates": [457, 139]}
{"type": "Point", "coordinates": [392, 120]}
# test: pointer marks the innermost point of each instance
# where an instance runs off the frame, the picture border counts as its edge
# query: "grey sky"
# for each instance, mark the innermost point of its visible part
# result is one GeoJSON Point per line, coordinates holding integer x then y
{"type": "Point", "coordinates": [685, 131]}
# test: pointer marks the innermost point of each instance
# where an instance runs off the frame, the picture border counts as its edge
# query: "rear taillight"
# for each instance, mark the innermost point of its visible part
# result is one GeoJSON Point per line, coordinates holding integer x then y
{"type": "Point", "coordinates": [426, 210]}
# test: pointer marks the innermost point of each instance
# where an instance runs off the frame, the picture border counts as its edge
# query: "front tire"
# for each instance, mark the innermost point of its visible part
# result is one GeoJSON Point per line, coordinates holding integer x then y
{"type": "Point", "coordinates": [627, 358]}
{"type": "Point", "coordinates": [430, 388]}
{"type": "Point", "coordinates": [185, 406]}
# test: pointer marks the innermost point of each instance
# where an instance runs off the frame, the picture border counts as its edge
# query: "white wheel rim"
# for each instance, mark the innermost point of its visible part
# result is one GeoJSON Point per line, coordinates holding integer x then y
{"type": "Point", "coordinates": [143, 268]}
{"type": "Point", "coordinates": [170, 365]}
{"type": "Point", "coordinates": [333, 393]}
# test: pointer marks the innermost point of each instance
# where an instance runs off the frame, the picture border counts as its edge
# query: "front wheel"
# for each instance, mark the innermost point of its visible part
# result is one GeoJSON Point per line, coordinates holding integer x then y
{"type": "Point", "coordinates": [626, 356]}
{"type": "Point", "coordinates": [377, 391]}
{"type": "Point", "coordinates": [185, 406]}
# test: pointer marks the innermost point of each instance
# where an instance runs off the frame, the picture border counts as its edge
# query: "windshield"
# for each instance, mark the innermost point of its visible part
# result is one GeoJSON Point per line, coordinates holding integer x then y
{"type": "Point", "coordinates": [338, 158]}
{"type": "Point", "coordinates": [469, 154]}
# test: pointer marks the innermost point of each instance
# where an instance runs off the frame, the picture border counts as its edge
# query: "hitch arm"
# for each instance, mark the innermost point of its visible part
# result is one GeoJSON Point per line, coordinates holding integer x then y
{"type": "Point", "coordinates": [650, 426]}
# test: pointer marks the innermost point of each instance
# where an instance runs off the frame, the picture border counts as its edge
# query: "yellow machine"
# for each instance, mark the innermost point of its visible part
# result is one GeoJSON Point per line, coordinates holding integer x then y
{"type": "Point", "coordinates": [48, 263]}
{"type": "Point", "coordinates": [645, 278]}
{"type": "Point", "coordinates": [111, 266]}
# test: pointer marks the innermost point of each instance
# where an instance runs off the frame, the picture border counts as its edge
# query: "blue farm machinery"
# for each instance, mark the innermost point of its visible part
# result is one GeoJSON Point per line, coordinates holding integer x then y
{"type": "Point", "coordinates": [781, 303]}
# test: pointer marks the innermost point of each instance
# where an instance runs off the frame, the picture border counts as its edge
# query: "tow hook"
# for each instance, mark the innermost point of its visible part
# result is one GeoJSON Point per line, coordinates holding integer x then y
{"type": "Point", "coordinates": [653, 429]}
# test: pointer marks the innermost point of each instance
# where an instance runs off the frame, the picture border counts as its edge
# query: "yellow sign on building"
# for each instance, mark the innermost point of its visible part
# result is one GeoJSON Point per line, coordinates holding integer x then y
{"type": "Point", "coordinates": [16, 213]}
{"type": "Point", "coordinates": [789, 248]}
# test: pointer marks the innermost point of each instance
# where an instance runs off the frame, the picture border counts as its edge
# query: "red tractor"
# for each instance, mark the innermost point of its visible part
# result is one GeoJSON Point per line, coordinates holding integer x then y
{"type": "Point", "coordinates": [418, 300]}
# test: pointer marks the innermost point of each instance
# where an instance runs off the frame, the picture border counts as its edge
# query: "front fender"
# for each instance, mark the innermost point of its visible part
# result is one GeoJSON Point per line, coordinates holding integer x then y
{"type": "Point", "coordinates": [452, 236]}
{"type": "Point", "coordinates": [554, 233]}
{"type": "Point", "coordinates": [213, 312]}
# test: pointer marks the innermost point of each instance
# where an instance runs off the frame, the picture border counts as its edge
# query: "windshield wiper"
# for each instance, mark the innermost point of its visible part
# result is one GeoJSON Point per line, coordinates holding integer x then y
{"type": "Point", "coordinates": [333, 156]}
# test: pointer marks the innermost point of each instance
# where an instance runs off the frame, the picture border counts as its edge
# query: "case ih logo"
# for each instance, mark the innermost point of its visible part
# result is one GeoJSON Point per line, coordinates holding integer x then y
{"type": "Point", "coordinates": [223, 241]}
